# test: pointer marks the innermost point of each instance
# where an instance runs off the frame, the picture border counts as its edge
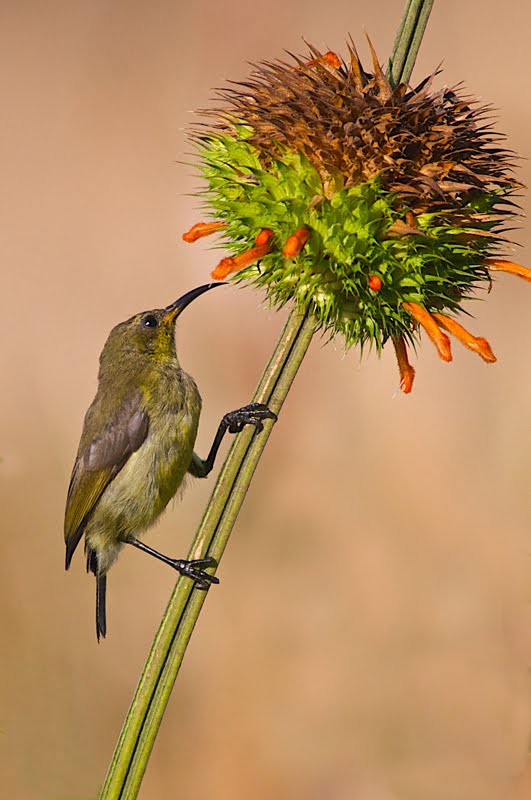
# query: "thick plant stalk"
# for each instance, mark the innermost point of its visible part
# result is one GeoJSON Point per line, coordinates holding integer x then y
{"type": "Point", "coordinates": [408, 40]}
{"type": "Point", "coordinates": [152, 694]}
{"type": "Point", "coordinates": [160, 671]}
{"type": "Point", "coordinates": [226, 503]}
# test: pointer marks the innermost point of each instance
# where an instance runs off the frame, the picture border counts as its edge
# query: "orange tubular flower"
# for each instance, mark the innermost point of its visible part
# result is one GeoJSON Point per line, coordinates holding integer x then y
{"type": "Point", "coordinates": [424, 318]}
{"type": "Point", "coordinates": [330, 58]}
{"type": "Point", "coordinates": [475, 343]}
{"type": "Point", "coordinates": [201, 229]}
{"type": "Point", "coordinates": [407, 373]}
{"type": "Point", "coordinates": [235, 263]}
{"type": "Point", "coordinates": [296, 242]}
{"type": "Point", "coordinates": [496, 264]}
{"type": "Point", "coordinates": [264, 236]}
{"type": "Point", "coordinates": [375, 283]}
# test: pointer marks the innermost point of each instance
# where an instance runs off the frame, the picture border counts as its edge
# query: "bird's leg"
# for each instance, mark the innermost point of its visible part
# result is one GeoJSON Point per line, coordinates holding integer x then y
{"type": "Point", "coordinates": [233, 422]}
{"type": "Point", "coordinates": [192, 569]}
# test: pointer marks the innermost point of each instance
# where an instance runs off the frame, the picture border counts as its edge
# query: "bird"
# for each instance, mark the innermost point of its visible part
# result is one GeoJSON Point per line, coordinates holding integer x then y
{"type": "Point", "coordinates": [137, 446]}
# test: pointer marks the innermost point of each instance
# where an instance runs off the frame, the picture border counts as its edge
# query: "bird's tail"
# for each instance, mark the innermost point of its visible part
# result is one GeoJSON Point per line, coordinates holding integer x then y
{"type": "Point", "coordinates": [101, 617]}
{"type": "Point", "coordinates": [101, 591]}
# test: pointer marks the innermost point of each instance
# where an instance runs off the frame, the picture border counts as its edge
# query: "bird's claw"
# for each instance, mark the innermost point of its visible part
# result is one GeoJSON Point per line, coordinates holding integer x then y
{"type": "Point", "coordinates": [253, 414]}
{"type": "Point", "coordinates": [194, 570]}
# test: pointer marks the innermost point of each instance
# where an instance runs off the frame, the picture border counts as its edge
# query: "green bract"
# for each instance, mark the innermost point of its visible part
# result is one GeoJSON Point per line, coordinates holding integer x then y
{"type": "Point", "coordinates": [352, 237]}
{"type": "Point", "coordinates": [400, 194]}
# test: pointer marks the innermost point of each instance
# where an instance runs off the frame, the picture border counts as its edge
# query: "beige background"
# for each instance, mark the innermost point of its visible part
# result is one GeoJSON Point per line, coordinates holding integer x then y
{"type": "Point", "coordinates": [370, 637]}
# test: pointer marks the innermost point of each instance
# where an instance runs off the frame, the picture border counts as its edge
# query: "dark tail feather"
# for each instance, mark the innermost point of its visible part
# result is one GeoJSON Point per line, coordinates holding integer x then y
{"type": "Point", "coordinates": [101, 586]}
{"type": "Point", "coordinates": [101, 617]}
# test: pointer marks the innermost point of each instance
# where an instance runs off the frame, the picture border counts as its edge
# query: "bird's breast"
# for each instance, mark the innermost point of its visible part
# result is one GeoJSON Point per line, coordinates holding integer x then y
{"type": "Point", "coordinates": [167, 452]}
{"type": "Point", "coordinates": [153, 473]}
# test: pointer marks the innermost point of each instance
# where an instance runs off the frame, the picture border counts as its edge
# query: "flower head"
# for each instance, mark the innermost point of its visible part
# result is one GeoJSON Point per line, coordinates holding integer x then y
{"type": "Point", "coordinates": [379, 208]}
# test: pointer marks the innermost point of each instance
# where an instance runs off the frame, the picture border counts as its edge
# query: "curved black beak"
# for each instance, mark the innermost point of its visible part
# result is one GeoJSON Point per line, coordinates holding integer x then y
{"type": "Point", "coordinates": [176, 308]}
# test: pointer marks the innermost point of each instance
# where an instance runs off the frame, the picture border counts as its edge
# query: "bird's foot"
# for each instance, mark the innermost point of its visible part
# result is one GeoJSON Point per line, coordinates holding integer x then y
{"type": "Point", "coordinates": [194, 570]}
{"type": "Point", "coordinates": [253, 414]}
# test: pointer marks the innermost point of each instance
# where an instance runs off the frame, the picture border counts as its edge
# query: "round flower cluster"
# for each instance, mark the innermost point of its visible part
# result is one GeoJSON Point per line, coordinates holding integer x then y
{"type": "Point", "coordinates": [378, 208]}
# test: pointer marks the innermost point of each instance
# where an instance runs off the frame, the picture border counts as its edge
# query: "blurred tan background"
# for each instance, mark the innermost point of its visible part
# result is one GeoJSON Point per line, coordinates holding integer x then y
{"type": "Point", "coordinates": [370, 638]}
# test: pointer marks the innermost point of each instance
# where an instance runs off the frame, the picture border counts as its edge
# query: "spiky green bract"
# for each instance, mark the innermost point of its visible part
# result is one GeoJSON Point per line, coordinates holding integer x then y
{"type": "Point", "coordinates": [355, 232]}
{"type": "Point", "coordinates": [404, 184]}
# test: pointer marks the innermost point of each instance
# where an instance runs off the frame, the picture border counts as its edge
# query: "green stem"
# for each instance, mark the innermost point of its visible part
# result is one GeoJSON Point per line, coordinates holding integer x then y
{"type": "Point", "coordinates": [162, 665]}
{"type": "Point", "coordinates": [408, 40]}
{"type": "Point", "coordinates": [149, 703]}
{"type": "Point", "coordinates": [244, 455]}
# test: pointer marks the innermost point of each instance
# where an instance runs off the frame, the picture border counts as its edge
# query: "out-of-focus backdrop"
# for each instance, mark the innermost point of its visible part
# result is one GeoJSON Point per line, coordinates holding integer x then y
{"type": "Point", "coordinates": [370, 636]}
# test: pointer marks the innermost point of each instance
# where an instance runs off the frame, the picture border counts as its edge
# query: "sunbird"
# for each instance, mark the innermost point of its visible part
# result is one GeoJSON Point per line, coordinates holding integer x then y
{"type": "Point", "coordinates": [137, 446]}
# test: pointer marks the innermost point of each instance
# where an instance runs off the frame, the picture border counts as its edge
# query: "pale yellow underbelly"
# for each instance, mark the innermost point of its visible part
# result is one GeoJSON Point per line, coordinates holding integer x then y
{"type": "Point", "coordinates": [143, 488]}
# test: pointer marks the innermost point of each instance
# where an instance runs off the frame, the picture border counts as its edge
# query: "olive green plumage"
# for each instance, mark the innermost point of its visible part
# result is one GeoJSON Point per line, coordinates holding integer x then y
{"type": "Point", "coordinates": [137, 441]}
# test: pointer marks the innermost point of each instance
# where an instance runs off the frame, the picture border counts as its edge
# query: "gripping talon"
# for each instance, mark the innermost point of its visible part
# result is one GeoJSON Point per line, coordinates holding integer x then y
{"type": "Point", "coordinates": [193, 569]}
{"type": "Point", "coordinates": [233, 422]}
{"type": "Point", "coordinates": [253, 414]}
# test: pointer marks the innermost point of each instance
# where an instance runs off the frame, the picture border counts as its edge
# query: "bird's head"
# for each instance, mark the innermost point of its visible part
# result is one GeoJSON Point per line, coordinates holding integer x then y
{"type": "Point", "coordinates": [149, 333]}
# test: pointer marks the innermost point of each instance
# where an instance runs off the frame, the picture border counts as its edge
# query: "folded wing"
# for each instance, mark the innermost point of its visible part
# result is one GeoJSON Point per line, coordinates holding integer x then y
{"type": "Point", "coordinates": [98, 462]}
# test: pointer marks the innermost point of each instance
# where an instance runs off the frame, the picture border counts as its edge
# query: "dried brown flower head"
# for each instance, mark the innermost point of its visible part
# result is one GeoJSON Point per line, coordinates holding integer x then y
{"type": "Point", "coordinates": [378, 208]}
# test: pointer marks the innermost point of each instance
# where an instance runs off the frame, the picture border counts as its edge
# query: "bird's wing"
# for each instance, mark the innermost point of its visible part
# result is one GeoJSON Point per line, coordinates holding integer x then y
{"type": "Point", "coordinates": [98, 461]}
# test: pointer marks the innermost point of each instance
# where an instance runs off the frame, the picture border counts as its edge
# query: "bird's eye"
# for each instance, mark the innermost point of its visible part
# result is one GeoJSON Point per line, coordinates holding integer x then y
{"type": "Point", "coordinates": [150, 321]}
